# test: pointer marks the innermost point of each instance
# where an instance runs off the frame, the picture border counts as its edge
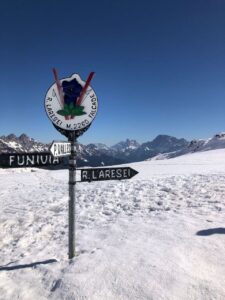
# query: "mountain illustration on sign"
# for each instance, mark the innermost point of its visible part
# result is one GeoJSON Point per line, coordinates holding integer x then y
{"type": "Point", "coordinates": [71, 90]}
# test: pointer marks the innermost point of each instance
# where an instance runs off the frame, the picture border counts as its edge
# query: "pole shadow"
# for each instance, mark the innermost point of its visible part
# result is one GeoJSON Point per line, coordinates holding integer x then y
{"type": "Point", "coordinates": [25, 266]}
{"type": "Point", "coordinates": [206, 232]}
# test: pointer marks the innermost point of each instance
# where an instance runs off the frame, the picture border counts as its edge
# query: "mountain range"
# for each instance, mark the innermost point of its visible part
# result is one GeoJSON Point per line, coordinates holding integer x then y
{"type": "Point", "coordinates": [163, 146]}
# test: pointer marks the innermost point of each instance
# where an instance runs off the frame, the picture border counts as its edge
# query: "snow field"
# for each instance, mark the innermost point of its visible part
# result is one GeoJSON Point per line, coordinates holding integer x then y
{"type": "Point", "coordinates": [144, 238]}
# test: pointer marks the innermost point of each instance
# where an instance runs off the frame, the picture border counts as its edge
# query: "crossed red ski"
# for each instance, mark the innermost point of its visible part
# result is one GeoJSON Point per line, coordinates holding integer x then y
{"type": "Point", "coordinates": [85, 88]}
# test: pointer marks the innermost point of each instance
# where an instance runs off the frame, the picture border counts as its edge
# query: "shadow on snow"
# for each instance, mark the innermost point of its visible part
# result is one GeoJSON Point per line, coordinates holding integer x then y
{"type": "Point", "coordinates": [206, 232]}
{"type": "Point", "coordinates": [31, 265]}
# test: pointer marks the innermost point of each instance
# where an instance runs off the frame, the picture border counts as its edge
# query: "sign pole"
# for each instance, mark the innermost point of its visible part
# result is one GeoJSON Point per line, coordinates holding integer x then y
{"type": "Point", "coordinates": [71, 104]}
{"type": "Point", "coordinates": [72, 183]}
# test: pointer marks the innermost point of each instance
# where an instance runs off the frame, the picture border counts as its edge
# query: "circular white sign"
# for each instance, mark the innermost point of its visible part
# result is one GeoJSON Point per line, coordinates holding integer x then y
{"type": "Point", "coordinates": [69, 105]}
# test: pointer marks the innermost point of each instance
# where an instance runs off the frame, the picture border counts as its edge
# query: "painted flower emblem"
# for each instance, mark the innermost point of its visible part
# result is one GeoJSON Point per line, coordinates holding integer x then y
{"type": "Point", "coordinates": [71, 90]}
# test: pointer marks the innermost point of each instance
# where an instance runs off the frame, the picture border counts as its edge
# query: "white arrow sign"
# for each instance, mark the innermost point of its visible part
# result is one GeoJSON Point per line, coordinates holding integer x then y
{"type": "Point", "coordinates": [59, 149]}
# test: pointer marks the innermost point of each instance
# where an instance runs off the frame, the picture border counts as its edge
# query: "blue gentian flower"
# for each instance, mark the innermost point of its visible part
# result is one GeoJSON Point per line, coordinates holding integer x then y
{"type": "Point", "coordinates": [72, 90]}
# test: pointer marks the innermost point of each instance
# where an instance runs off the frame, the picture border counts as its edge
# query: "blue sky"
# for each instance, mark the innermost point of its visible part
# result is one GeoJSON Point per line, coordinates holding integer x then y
{"type": "Point", "coordinates": [160, 65]}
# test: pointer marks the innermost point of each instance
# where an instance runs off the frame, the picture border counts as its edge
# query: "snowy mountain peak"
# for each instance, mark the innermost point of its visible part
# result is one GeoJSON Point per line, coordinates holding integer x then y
{"type": "Point", "coordinates": [163, 139]}
{"type": "Point", "coordinates": [98, 146]}
{"type": "Point", "coordinates": [216, 142]}
{"type": "Point", "coordinates": [24, 137]}
{"type": "Point", "coordinates": [125, 145]}
{"type": "Point", "coordinates": [165, 143]}
{"type": "Point", "coordinates": [9, 137]}
{"type": "Point", "coordinates": [220, 135]}
{"type": "Point", "coordinates": [195, 144]}
{"type": "Point", "coordinates": [23, 143]}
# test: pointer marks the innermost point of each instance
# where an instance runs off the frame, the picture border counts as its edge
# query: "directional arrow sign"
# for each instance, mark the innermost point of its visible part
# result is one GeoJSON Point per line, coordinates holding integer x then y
{"type": "Point", "coordinates": [24, 160]}
{"type": "Point", "coordinates": [98, 174]}
{"type": "Point", "coordinates": [59, 149]}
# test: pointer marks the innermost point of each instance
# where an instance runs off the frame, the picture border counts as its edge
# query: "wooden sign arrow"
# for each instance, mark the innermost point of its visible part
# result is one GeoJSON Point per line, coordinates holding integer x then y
{"type": "Point", "coordinates": [60, 149]}
{"type": "Point", "coordinates": [24, 160]}
{"type": "Point", "coordinates": [98, 174]}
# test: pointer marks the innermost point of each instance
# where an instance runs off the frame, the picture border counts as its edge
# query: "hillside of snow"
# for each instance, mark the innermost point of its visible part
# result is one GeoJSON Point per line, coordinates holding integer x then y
{"type": "Point", "coordinates": [158, 236]}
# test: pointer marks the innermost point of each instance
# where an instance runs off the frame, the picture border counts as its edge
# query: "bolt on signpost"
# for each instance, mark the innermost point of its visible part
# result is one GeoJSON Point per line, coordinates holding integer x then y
{"type": "Point", "coordinates": [71, 105]}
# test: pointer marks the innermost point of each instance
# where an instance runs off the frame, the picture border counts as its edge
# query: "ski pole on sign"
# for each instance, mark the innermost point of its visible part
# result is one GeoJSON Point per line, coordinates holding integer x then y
{"type": "Point", "coordinates": [91, 75]}
{"type": "Point", "coordinates": [59, 88]}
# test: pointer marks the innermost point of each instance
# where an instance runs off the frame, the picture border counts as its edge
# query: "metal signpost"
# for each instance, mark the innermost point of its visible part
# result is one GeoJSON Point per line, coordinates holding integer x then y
{"type": "Point", "coordinates": [71, 105]}
{"type": "Point", "coordinates": [24, 160]}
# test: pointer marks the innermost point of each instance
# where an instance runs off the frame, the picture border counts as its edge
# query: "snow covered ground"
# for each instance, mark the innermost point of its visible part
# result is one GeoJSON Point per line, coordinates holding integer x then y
{"type": "Point", "coordinates": [160, 235]}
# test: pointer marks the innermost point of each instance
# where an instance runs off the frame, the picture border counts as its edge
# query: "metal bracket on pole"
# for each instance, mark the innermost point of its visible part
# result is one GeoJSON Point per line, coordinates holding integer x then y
{"type": "Point", "coordinates": [72, 183]}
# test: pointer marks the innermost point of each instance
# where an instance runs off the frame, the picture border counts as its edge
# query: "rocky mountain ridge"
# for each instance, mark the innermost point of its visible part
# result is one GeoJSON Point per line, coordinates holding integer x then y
{"type": "Point", "coordinates": [216, 142]}
{"type": "Point", "coordinates": [98, 154]}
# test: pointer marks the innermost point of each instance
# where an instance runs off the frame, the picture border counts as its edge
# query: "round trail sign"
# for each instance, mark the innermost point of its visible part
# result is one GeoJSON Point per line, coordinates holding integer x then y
{"type": "Point", "coordinates": [71, 104]}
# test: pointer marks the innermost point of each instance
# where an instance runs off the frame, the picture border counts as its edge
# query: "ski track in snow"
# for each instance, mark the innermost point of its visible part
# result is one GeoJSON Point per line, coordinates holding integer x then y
{"type": "Point", "coordinates": [135, 239]}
